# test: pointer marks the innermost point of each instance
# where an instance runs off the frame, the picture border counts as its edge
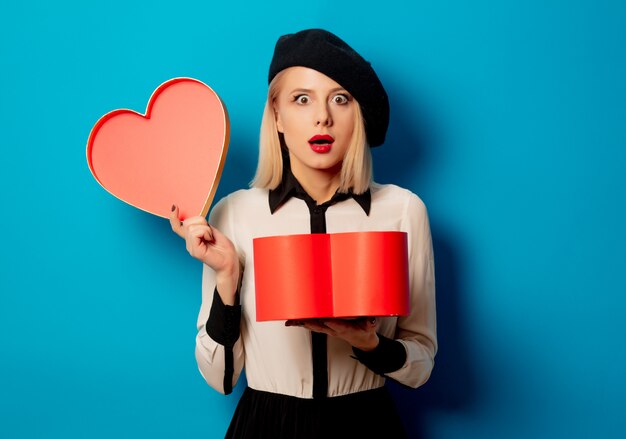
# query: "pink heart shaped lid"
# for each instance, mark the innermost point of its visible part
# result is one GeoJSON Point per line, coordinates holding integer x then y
{"type": "Point", "coordinates": [174, 154]}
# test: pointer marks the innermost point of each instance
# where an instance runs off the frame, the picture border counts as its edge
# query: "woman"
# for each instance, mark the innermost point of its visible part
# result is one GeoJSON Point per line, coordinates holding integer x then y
{"type": "Point", "coordinates": [313, 378]}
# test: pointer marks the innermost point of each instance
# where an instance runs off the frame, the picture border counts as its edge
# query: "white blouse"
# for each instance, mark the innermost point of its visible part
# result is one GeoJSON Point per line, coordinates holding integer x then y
{"type": "Point", "coordinates": [277, 358]}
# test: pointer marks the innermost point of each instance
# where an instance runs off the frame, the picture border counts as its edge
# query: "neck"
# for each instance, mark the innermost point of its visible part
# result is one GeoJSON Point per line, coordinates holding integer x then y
{"type": "Point", "coordinates": [320, 184]}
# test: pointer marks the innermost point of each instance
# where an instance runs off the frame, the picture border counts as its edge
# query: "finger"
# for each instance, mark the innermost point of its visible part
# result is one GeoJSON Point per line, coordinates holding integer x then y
{"type": "Point", "coordinates": [175, 222]}
{"type": "Point", "coordinates": [336, 325]}
{"type": "Point", "coordinates": [208, 234]}
{"type": "Point", "coordinates": [200, 231]}
{"type": "Point", "coordinates": [217, 235]}
{"type": "Point", "coordinates": [318, 326]}
{"type": "Point", "coordinates": [196, 234]}
{"type": "Point", "coordinates": [195, 220]}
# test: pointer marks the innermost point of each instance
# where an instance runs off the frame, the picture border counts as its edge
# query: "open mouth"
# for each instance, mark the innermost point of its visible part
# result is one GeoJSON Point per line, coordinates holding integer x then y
{"type": "Point", "coordinates": [321, 139]}
{"type": "Point", "coordinates": [321, 143]}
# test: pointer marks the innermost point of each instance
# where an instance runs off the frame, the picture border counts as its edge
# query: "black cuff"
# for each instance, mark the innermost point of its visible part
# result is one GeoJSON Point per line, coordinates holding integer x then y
{"type": "Point", "coordinates": [224, 321]}
{"type": "Point", "coordinates": [387, 357]}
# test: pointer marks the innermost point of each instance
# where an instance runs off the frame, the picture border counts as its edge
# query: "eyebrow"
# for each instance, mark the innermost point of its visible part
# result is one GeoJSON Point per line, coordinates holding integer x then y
{"type": "Point", "coordinates": [307, 90]}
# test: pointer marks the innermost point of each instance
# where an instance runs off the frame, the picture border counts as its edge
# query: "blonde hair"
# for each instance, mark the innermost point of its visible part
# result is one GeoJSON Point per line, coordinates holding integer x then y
{"type": "Point", "coordinates": [356, 168]}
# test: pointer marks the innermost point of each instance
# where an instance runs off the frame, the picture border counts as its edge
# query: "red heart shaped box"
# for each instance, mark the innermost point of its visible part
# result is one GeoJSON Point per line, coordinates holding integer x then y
{"type": "Point", "coordinates": [331, 275]}
{"type": "Point", "coordinates": [173, 155]}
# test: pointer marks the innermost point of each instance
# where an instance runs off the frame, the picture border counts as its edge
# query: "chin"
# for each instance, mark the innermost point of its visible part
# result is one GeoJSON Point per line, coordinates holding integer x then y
{"type": "Point", "coordinates": [330, 161]}
{"type": "Point", "coordinates": [329, 165]}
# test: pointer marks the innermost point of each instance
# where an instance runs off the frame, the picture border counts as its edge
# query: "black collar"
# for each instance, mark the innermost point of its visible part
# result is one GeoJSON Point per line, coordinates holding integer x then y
{"type": "Point", "coordinates": [290, 187]}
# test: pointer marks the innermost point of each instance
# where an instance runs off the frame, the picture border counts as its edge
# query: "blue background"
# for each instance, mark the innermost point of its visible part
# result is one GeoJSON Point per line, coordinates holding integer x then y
{"type": "Point", "coordinates": [508, 119]}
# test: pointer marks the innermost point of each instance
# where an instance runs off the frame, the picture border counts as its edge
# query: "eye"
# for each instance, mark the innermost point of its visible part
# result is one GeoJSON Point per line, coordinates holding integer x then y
{"type": "Point", "coordinates": [341, 99]}
{"type": "Point", "coordinates": [301, 99]}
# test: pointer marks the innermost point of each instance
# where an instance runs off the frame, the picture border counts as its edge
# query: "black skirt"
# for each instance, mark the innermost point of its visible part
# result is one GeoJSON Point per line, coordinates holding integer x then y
{"type": "Point", "coordinates": [265, 415]}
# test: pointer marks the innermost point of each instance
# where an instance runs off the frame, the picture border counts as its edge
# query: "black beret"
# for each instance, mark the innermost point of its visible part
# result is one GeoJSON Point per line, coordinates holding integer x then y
{"type": "Point", "coordinates": [328, 54]}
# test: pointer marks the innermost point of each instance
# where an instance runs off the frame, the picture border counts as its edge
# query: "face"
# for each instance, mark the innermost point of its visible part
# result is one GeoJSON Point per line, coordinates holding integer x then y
{"type": "Point", "coordinates": [316, 116]}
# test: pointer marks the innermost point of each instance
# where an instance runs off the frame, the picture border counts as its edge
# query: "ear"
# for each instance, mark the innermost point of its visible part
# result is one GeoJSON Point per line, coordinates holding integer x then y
{"type": "Point", "coordinates": [277, 118]}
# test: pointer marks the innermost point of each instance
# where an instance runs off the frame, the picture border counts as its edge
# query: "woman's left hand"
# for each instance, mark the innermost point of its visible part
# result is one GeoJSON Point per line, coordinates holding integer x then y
{"type": "Point", "coordinates": [359, 332]}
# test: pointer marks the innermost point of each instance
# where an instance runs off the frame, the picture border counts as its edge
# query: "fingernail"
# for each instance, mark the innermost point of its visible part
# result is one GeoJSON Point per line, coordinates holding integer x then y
{"type": "Point", "coordinates": [173, 207]}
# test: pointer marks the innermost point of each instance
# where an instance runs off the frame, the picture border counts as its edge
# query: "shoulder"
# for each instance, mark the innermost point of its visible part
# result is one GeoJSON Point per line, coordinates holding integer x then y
{"type": "Point", "coordinates": [242, 201]}
{"type": "Point", "coordinates": [391, 194]}
{"type": "Point", "coordinates": [408, 207]}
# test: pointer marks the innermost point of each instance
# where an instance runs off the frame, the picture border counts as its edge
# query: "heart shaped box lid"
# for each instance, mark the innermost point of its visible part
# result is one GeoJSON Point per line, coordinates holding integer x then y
{"type": "Point", "coordinates": [174, 154]}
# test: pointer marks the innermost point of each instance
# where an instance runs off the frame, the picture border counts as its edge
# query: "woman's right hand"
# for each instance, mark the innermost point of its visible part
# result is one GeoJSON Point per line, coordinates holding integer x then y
{"type": "Point", "coordinates": [213, 248]}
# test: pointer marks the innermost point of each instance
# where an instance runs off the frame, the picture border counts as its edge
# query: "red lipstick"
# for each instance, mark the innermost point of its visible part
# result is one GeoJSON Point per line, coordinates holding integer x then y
{"type": "Point", "coordinates": [321, 143]}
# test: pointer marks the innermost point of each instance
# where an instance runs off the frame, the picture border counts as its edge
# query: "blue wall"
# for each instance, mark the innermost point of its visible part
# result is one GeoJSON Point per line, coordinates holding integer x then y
{"type": "Point", "coordinates": [508, 119]}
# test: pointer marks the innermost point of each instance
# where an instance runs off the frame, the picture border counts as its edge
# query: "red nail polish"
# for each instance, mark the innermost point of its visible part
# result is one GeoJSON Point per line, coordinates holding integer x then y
{"type": "Point", "coordinates": [173, 207]}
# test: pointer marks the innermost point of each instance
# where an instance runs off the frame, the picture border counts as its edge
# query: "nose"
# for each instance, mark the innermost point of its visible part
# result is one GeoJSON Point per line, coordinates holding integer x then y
{"type": "Point", "coordinates": [323, 116]}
